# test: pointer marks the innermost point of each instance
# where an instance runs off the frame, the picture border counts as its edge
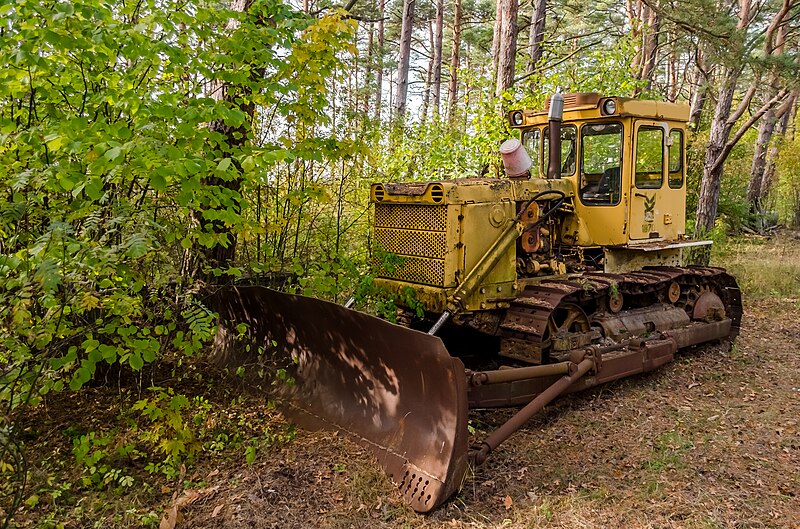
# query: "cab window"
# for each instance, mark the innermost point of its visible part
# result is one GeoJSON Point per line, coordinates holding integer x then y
{"type": "Point", "coordinates": [676, 159]}
{"type": "Point", "coordinates": [568, 150]}
{"type": "Point", "coordinates": [601, 182]}
{"type": "Point", "coordinates": [531, 141]}
{"type": "Point", "coordinates": [649, 157]}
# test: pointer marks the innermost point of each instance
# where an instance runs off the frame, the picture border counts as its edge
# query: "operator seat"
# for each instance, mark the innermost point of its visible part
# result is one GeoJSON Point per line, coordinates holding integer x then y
{"type": "Point", "coordinates": [602, 191]}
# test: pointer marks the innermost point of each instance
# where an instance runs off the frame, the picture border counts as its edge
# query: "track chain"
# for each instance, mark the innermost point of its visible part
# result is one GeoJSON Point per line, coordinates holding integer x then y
{"type": "Point", "coordinates": [526, 321]}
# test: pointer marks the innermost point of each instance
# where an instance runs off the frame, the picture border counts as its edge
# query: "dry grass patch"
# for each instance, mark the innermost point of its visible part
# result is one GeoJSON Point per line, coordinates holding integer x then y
{"type": "Point", "coordinates": [763, 267]}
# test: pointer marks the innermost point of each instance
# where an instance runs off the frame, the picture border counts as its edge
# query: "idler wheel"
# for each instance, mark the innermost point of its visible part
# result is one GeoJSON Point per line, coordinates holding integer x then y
{"type": "Point", "coordinates": [708, 307]}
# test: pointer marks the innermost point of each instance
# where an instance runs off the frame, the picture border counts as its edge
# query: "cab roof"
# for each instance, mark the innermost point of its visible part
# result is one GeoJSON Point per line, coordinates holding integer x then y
{"type": "Point", "coordinates": [591, 105]}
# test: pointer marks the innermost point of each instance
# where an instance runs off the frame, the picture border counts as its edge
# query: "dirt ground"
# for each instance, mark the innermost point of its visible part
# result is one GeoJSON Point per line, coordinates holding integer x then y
{"type": "Point", "coordinates": [709, 441]}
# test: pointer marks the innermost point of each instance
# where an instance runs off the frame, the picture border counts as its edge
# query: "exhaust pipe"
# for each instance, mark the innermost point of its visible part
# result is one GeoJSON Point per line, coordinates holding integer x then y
{"type": "Point", "coordinates": [554, 117]}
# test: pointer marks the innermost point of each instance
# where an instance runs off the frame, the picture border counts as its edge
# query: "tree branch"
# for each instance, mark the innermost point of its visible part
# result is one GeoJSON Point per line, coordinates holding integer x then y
{"type": "Point", "coordinates": [745, 127]}
{"type": "Point", "coordinates": [748, 97]}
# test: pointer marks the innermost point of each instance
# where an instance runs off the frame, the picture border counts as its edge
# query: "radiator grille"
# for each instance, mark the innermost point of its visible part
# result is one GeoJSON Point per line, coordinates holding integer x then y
{"type": "Point", "coordinates": [417, 235]}
{"type": "Point", "coordinates": [404, 216]}
{"type": "Point", "coordinates": [411, 242]}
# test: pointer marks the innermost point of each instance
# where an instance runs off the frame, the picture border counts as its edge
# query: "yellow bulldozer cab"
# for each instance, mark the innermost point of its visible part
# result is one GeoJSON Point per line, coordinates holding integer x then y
{"type": "Point", "coordinates": [625, 160]}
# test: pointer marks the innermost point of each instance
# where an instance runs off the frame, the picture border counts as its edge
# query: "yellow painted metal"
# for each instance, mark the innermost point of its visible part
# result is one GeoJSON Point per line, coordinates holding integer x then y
{"type": "Point", "coordinates": [627, 259]}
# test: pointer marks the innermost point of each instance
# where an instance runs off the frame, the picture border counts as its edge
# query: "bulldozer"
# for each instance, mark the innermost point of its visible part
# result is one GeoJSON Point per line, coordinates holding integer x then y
{"type": "Point", "coordinates": [564, 273]}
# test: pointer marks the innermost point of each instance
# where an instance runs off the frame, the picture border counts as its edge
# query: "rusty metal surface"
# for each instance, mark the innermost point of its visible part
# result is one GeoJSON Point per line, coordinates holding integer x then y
{"type": "Point", "coordinates": [640, 322]}
{"type": "Point", "coordinates": [519, 373]}
{"type": "Point", "coordinates": [698, 333]}
{"type": "Point", "coordinates": [394, 390]}
{"type": "Point", "coordinates": [399, 392]}
{"type": "Point", "coordinates": [708, 307]}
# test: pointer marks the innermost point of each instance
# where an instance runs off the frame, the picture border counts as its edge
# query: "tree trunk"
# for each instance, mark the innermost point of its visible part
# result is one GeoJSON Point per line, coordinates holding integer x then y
{"type": "Point", "coordinates": [650, 50]}
{"type": "Point", "coordinates": [699, 92]}
{"type": "Point", "coordinates": [772, 154]}
{"type": "Point", "coordinates": [467, 91]}
{"type": "Point", "coordinates": [455, 59]}
{"type": "Point", "coordinates": [222, 256]}
{"type": "Point", "coordinates": [758, 167]}
{"type": "Point", "coordinates": [404, 58]}
{"type": "Point", "coordinates": [370, 67]}
{"type": "Point", "coordinates": [635, 21]}
{"type": "Point", "coordinates": [437, 58]}
{"type": "Point", "coordinates": [536, 35]}
{"type": "Point", "coordinates": [648, 26]}
{"type": "Point", "coordinates": [757, 186]}
{"type": "Point", "coordinates": [672, 75]}
{"type": "Point", "coordinates": [498, 24]}
{"type": "Point", "coordinates": [507, 51]}
{"type": "Point", "coordinates": [426, 94]}
{"type": "Point", "coordinates": [352, 74]}
{"type": "Point", "coordinates": [712, 167]}
{"type": "Point", "coordinates": [380, 53]}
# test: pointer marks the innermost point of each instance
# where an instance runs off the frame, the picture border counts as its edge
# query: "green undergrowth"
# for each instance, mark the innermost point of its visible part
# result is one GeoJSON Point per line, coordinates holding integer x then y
{"type": "Point", "coordinates": [117, 464]}
{"type": "Point", "coordinates": [764, 267]}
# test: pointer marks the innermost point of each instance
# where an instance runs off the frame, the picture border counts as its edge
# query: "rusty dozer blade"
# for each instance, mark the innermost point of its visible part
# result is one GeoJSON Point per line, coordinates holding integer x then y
{"type": "Point", "coordinates": [394, 390]}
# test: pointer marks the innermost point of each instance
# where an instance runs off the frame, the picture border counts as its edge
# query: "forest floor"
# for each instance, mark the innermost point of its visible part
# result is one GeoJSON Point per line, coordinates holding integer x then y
{"type": "Point", "coordinates": [709, 441]}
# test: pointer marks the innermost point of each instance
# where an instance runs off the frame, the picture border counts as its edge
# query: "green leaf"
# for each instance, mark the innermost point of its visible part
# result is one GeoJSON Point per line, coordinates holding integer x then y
{"type": "Point", "coordinates": [54, 141]}
{"type": "Point", "coordinates": [248, 164]}
{"type": "Point", "coordinates": [82, 376]}
{"type": "Point", "coordinates": [158, 182]}
{"type": "Point", "coordinates": [94, 189]}
{"type": "Point", "coordinates": [136, 361]}
{"type": "Point", "coordinates": [191, 166]}
{"type": "Point", "coordinates": [113, 153]}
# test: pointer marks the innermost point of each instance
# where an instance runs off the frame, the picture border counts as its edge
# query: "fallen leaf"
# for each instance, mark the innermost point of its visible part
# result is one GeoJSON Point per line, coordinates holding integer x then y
{"type": "Point", "coordinates": [191, 496]}
{"type": "Point", "coordinates": [508, 502]}
{"type": "Point", "coordinates": [173, 514]}
{"type": "Point", "coordinates": [170, 518]}
{"type": "Point", "coordinates": [217, 509]}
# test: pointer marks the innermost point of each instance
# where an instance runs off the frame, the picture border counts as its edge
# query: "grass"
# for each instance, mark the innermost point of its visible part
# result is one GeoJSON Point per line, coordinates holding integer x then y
{"type": "Point", "coordinates": [763, 267]}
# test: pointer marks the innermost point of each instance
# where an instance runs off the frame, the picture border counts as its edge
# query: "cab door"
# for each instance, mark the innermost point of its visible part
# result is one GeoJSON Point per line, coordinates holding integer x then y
{"type": "Point", "coordinates": [657, 197]}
